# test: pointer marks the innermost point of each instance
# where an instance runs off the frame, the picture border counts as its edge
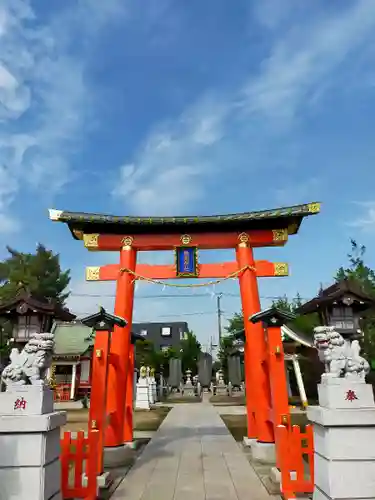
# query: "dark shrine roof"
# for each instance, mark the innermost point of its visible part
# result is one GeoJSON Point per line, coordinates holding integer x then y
{"type": "Point", "coordinates": [288, 335]}
{"type": "Point", "coordinates": [279, 218]}
{"type": "Point", "coordinates": [26, 301]}
{"type": "Point", "coordinates": [335, 292]}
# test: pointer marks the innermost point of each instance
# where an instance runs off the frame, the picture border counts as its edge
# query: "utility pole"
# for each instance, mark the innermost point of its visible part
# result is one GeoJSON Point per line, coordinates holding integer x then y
{"type": "Point", "coordinates": [219, 312]}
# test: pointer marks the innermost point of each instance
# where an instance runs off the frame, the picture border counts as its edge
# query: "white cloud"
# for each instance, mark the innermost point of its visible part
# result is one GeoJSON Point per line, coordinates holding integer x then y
{"type": "Point", "coordinates": [296, 193]}
{"type": "Point", "coordinates": [8, 224]}
{"type": "Point", "coordinates": [270, 13]}
{"type": "Point", "coordinates": [44, 97]}
{"type": "Point", "coordinates": [172, 167]}
{"type": "Point", "coordinates": [367, 220]}
{"type": "Point", "coordinates": [3, 20]}
{"type": "Point", "coordinates": [167, 172]}
{"type": "Point", "coordinates": [14, 98]}
{"type": "Point", "coordinates": [304, 59]}
{"type": "Point", "coordinates": [8, 188]}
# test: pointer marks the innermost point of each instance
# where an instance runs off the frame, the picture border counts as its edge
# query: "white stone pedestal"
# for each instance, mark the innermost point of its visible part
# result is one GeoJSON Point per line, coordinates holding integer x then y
{"type": "Point", "coordinates": [150, 392]}
{"type": "Point", "coordinates": [135, 375]}
{"type": "Point", "coordinates": [344, 440]}
{"type": "Point", "coordinates": [154, 394]}
{"type": "Point", "coordinates": [142, 401]}
{"type": "Point", "coordinates": [188, 390]}
{"type": "Point", "coordinates": [29, 444]}
{"type": "Point", "coordinates": [221, 389]}
{"type": "Point", "coordinates": [261, 452]}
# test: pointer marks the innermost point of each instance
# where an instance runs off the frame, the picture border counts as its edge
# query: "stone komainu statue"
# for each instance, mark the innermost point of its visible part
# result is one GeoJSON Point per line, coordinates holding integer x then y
{"type": "Point", "coordinates": [341, 358]}
{"type": "Point", "coordinates": [29, 367]}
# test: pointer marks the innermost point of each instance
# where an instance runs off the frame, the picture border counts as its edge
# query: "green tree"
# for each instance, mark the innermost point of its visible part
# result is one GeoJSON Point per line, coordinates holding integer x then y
{"type": "Point", "coordinates": [302, 323]}
{"type": "Point", "coordinates": [235, 324]}
{"type": "Point", "coordinates": [39, 273]}
{"type": "Point", "coordinates": [190, 350]}
{"type": "Point", "coordinates": [358, 270]}
{"type": "Point", "coordinates": [227, 342]}
{"type": "Point", "coordinates": [144, 350]}
{"type": "Point", "coordinates": [364, 276]}
{"type": "Point", "coordinates": [226, 346]}
{"type": "Point", "coordinates": [284, 304]}
{"type": "Point", "coordinates": [147, 355]}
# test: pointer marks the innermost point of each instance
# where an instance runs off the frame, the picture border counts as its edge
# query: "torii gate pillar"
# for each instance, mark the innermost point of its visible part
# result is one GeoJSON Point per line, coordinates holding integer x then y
{"type": "Point", "coordinates": [256, 375]}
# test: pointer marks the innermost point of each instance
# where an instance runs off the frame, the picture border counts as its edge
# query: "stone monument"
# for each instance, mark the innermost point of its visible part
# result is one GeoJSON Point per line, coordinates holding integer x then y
{"type": "Point", "coordinates": [188, 388]}
{"type": "Point", "coordinates": [150, 391]}
{"type": "Point", "coordinates": [221, 388]}
{"type": "Point", "coordinates": [344, 421]}
{"type": "Point", "coordinates": [142, 401]}
{"type": "Point", "coordinates": [175, 374]}
{"type": "Point", "coordinates": [163, 389]}
{"type": "Point", "coordinates": [29, 428]}
{"type": "Point", "coordinates": [234, 371]}
{"type": "Point", "coordinates": [154, 392]}
{"type": "Point", "coordinates": [205, 370]}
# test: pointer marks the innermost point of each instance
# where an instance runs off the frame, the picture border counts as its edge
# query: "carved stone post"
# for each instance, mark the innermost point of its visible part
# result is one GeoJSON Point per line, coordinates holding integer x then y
{"type": "Point", "coordinates": [142, 401]}
{"type": "Point", "coordinates": [154, 392]}
{"type": "Point", "coordinates": [344, 422]}
{"type": "Point", "coordinates": [149, 382]}
{"type": "Point", "coordinates": [29, 428]}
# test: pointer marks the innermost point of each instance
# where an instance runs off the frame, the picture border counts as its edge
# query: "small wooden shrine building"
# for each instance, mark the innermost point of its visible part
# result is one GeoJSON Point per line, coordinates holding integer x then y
{"type": "Point", "coordinates": [27, 314]}
{"type": "Point", "coordinates": [341, 305]}
{"type": "Point", "coordinates": [72, 360]}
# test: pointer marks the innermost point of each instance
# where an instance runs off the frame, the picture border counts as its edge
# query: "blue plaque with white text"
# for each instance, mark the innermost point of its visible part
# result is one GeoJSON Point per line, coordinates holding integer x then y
{"type": "Point", "coordinates": [186, 262]}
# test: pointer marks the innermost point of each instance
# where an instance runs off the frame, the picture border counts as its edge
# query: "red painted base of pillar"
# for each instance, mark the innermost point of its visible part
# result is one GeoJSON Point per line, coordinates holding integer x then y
{"type": "Point", "coordinates": [120, 349]}
{"type": "Point", "coordinates": [128, 422]}
{"type": "Point", "coordinates": [256, 375]}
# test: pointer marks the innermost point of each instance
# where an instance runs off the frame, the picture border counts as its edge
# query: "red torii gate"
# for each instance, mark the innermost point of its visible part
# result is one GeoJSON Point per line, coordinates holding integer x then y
{"type": "Point", "coordinates": [186, 236]}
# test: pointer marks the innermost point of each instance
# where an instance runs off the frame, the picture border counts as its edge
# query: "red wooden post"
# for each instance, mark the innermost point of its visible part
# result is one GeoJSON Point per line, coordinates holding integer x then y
{"type": "Point", "coordinates": [97, 415]}
{"type": "Point", "coordinates": [310, 456]}
{"type": "Point", "coordinates": [103, 324]}
{"type": "Point", "coordinates": [282, 437]}
{"type": "Point", "coordinates": [120, 346]}
{"type": "Point", "coordinates": [79, 456]}
{"type": "Point", "coordinates": [128, 426]}
{"type": "Point", "coordinates": [256, 376]}
{"type": "Point", "coordinates": [94, 448]}
{"type": "Point", "coordinates": [64, 457]}
{"type": "Point", "coordinates": [272, 319]}
{"type": "Point", "coordinates": [278, 382]}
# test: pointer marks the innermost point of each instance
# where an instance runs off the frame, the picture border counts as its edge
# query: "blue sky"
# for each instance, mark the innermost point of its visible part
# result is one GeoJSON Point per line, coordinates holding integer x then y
{"type": "Point", "coordinates": [164, 107]}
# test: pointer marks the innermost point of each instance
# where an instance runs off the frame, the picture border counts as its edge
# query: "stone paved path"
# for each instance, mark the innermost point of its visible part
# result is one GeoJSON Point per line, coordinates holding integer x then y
{"type": "Point", "coordinates": [192, 457]}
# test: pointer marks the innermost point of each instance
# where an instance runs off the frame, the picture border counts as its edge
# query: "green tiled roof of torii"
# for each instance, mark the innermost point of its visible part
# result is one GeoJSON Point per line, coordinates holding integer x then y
{"type": "Point", "coordinates": [279, 218]}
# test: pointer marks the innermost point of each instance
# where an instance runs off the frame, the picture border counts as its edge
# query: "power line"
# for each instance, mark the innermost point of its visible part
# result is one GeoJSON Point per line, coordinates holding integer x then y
{"type": "Point", "coordinates": [185, 296]}
{"type": "Point", "coordinates": [178, 315]}
{"type": "Point", "coordinates": [219, 313]}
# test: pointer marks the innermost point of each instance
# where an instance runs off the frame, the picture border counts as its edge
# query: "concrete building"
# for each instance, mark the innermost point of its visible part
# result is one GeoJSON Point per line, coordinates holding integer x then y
{"type": "Point", "coordinates": [162, 335]}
